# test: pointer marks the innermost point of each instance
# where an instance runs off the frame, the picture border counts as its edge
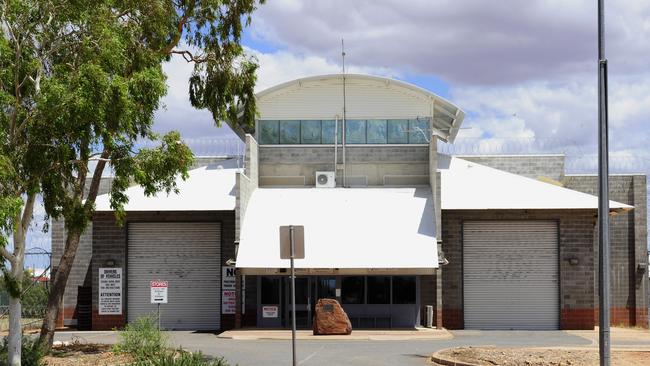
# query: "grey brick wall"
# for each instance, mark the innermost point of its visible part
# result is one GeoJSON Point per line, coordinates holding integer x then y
{"type": "Point", "coordinates": [372, 162]}
{"type": "Point", "coordinates": [110, 243]}
{"type": "Point", "coordinates": [628, 242]}
{"type": "Point", "coordinates": [576, 281]}
{"type": "Point", "coordinates": [532, 166]}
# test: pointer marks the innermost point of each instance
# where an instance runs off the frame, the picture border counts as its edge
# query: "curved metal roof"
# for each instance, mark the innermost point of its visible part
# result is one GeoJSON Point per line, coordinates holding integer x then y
{"type": "Point", "coordinates": [447, 117]}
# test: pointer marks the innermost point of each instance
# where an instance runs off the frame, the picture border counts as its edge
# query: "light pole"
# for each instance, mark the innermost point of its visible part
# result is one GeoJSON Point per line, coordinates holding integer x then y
{"type": "Point", "coordinates": [603, 196]}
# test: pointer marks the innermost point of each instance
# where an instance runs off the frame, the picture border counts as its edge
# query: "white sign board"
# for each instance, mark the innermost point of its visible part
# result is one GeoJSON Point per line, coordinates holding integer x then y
{"type": "Point", "coordinates": [269, 311]}
{"type": "Point", "coordinates": [110, 291]}
{"type": "Point", "coordinates": [228, 298]}
{"type": "Point", "coordinates": [158, 291]}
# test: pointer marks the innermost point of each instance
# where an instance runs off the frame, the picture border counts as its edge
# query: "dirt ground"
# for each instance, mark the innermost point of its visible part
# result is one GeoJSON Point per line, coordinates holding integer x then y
{"type": "Point", "coordinates": [540, 357]}
{"type": "Point", "coordinates": [85, 355]}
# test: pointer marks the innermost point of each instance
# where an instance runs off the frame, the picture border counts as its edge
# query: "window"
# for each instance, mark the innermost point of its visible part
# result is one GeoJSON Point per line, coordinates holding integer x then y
{"type": "Point", "coordinates": [398, 131]}
{"type": "Point", "coordinates": [310, 132]}
{"type": "Point", "coordinates": [270, 290]}
{"type": "Point", "coordinates": [377, 131]}
{"type": "Point", "coordinates": [290, 132]}
{"type": "Point", "coordinates": [269, 132]}
{"type": "Point", "coordinates": [326, 288]}
{"type": "Point", "coordinates": [404, 290]}
{"type": "Point", "coordinates": [352, 290]}
{"type": "Point", "coordinates": [419, 131]}
{"type": "Point", "coordinates": [355, 131]}
{"type": "Point", "coordinates": [378, 290]}
{"type": "Point", "coordinates": [328, 127]}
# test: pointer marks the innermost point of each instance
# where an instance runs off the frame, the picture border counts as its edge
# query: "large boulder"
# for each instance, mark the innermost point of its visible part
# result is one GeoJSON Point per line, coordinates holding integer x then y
{"type": "Point", "coordinates": [330, 318]}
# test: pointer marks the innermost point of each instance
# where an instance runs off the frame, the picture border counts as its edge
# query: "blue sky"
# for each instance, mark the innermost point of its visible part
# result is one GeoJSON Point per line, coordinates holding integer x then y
{"type": "Point", "coordinates": [524, 71]}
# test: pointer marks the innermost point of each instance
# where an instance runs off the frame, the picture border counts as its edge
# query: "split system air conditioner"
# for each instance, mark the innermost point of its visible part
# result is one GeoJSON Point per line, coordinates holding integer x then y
{"type": "Point", "coordinates": [325, 180]}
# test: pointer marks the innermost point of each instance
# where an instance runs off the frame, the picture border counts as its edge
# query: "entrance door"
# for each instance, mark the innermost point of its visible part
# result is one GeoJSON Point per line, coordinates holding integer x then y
{"type": "Point", "coordinates": [303, 302]}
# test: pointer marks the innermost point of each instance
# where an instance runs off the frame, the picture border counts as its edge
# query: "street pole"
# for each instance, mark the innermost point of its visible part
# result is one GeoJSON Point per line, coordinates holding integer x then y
{"type": "Point", "coordinates": [603, 196]}
{"type": "Point", "coordinates": [158, 316]}
{"type": "Point", "coordinates": [293, 298]}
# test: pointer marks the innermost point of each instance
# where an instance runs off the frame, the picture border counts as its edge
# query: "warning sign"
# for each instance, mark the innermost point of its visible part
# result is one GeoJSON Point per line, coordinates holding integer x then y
{"type": "Point", "coordinates": [228, 298]}
{"type": "Point", "coordinates": [158, 291]}
{"type": "Point", "coordinates": [110, 291]}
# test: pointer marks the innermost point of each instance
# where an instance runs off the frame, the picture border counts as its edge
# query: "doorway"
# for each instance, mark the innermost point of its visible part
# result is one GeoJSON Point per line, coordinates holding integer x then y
{"type": "Point", "coordinates": [308, 291]}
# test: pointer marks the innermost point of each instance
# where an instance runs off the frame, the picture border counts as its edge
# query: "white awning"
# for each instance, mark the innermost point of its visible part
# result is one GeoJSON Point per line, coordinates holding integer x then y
{"type": "Point", "coordinates": [467, 185]}
{"type": "Point", "coordinates": [347, 230]}
{"type": "Point", "coordinates": [208, 188]}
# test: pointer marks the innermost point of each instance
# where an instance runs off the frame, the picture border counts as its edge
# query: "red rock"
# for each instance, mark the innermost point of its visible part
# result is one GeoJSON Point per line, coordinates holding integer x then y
{"type": "Point", "coordinates": [330, 318]}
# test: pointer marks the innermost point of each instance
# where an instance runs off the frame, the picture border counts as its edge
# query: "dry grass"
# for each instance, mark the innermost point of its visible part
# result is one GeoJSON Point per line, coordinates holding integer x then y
{"type": "Point", "coordinates": [78, 354]}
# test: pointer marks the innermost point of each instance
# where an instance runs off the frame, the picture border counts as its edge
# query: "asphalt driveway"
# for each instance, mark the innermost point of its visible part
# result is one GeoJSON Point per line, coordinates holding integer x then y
{"type": "Point", "coordinates": [355, 352]}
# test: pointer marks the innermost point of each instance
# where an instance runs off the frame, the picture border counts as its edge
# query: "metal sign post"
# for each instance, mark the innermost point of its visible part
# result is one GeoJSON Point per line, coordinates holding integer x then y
{"type": "Point", "coordinates": [292, 246]}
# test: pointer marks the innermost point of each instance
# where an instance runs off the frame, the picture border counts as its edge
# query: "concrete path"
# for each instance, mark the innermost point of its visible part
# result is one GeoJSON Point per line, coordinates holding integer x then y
{"type": "Point", "coordinates": [370, 352]}
{"type": "Point", "coordinates": [365, 335]}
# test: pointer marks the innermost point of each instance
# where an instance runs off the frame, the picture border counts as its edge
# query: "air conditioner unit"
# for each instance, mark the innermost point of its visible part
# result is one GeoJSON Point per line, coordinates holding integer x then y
{"type": "Point", "coordinates": [325, 180]}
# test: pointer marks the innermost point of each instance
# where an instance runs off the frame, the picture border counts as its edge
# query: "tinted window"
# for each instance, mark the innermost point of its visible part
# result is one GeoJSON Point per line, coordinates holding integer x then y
{"type": "Point", "coordinates": [398, 131]}
{"type": "Point", "coordinates": [269, 132]}
{"type": "Point", "coordinates": [328, 127]}
{"type": "Point", "coordinates": [326, 288]}
{"type": "Point", "coordinates": [378, 290]}
{"type": "Point", "coordinates": [310, 132]}
{"type": "Point", "coordinates": [352, 290]}
{"type": "Point", "coordinates": [355, 131]}
{"type": "Point", "coordinates": [289, 132]}
{"type": "Point", "coordinates": [419, 131]}
{"type": "Point", "coordinates": [377, 131]}
{"type": "Point", "coordinates": [270, 290]}
{"type": "Point", "coordinates": [404, 290]}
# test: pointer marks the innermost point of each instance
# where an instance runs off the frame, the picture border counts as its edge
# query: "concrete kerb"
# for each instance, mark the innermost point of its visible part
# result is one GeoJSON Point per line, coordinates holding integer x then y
{"type": "Point", "coordinates": [366, 335]}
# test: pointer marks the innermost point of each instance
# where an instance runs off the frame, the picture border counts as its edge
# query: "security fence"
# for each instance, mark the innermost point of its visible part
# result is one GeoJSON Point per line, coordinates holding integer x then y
{"type": "Point", "coordinates": [35, 290]}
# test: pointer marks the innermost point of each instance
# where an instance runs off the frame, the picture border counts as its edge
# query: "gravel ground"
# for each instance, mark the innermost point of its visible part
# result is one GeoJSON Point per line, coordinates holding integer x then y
{"type": "Point", "coordinates": [490, 356]}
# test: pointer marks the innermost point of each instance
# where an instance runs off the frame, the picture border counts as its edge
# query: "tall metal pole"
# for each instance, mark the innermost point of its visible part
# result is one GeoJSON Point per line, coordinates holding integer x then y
{"type": "Point", "coordinates": [345, 183]}
{"type": "Point", "coordinates": [603, 196]}
{"type": "Point", "coordinates": [293, 298]}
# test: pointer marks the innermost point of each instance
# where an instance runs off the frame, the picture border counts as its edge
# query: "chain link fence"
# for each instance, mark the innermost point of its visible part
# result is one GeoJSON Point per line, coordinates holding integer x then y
{"type": "Point", "coordinates": [35, 290]}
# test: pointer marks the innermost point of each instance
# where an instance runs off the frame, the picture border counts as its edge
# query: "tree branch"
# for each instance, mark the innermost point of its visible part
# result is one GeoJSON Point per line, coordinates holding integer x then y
{"type": "Point", "coordinates": [179, 31]}
{"type": "Point", "coordinates": [10, 257]}
{"type": "Point", "coordinates": [97, 177]}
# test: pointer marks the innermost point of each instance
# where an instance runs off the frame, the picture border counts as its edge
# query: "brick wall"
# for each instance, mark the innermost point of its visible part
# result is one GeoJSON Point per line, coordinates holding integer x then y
{"type": "Point", "coordinates": [371, 162]}
{"type": "Point", "coordinates": [110, 243]}
{"type": "Point", "coordinates": [532, 166]}
{"type": "Point", "coordinates": [628, 242]}
{"type": "Point", "coordinates": [576, 281]}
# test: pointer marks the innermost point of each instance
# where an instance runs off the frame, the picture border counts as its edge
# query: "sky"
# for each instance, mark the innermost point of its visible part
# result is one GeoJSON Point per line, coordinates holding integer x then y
{"type": "Point", "coordinates": [525, 72]}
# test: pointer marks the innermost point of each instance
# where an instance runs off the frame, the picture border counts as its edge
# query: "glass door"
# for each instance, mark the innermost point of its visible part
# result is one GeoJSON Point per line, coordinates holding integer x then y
{"type": "Point", "coordinates": [303, 302]}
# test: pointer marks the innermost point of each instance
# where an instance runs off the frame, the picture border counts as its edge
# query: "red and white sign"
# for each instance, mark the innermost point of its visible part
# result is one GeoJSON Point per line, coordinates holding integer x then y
{"type": "Point", "coordinates": [269, 311]}
{"type": "Point", "coordinates": [158, 291]}
{"type": "Point", "coordinates": [228, 297]}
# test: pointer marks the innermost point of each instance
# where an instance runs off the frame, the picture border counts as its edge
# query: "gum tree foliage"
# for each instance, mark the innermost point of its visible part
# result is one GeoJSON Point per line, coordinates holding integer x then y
{"type": "Point", "coordinates": [79, 83]}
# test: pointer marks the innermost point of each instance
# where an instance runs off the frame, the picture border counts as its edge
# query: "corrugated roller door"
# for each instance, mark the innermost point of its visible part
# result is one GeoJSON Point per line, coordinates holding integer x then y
{"type": "Point", "coordinates": [511, 275]}
{"type": "Point", "coordinates": [188, 256]}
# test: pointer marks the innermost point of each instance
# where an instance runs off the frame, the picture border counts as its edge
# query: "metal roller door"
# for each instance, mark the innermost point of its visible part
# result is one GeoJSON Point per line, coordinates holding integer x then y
{"type": "Point", "coordinates": [188, 256]}
{"type": "Point", "coordinates": [511, 275]}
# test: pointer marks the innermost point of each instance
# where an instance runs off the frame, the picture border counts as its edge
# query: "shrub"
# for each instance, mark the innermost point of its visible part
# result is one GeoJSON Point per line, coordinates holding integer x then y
{"type": "Point", "coordinates": [31, 355]}
{"type": "Point", "coordinates": [142, 339]}
{"type": "Point", "coordinates": [181, 358]}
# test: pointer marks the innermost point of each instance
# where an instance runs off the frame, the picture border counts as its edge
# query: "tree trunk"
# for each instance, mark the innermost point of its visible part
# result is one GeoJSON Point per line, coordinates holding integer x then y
{"type": "Point", "coordinates": [57, 288]}
{"type": "Point", "coordinates": [60, 280]}
{"type": "Point", "coordinates": [15, 331]}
